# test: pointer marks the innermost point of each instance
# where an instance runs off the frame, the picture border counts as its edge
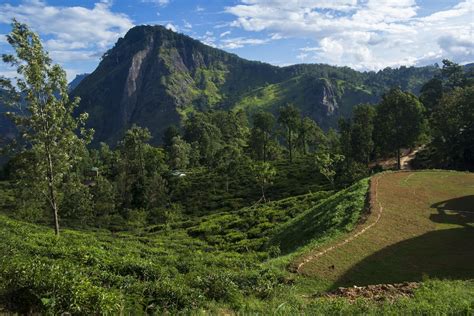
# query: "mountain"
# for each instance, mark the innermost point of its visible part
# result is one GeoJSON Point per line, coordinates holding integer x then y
{"type": "Point", "coordinates": [154, 77]}
{"type": "Point", "coordinates": [76, 81]}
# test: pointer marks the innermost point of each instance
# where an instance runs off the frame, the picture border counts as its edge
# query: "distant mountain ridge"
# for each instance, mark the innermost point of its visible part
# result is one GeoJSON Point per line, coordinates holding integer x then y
{"type": "Point", "coordinates": [154, 77]}
{"type": "Point", "coordinates": [76, 81]}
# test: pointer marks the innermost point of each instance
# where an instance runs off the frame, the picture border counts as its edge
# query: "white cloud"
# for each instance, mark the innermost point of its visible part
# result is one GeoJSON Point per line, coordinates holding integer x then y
{"type": "Point", "coordinates": [3, 39]}
{"type": "Point", "coordinates": [369, 34]}
{"type": "Point", "coordinates": [239, 42]}
{"type": "Point", "coordinates": [225, 33]}
{"type": "Point", "coordinates": [172, 27]}
{"type": "Point", "coordinates": [208, 38]}
{"type": "Point", "coordinates": [161, 3]}
{"type": "Point", "coordinates": [199, 9]}
{"type": "Point", "coordinates": [187, 25]}
{"type": "Point", "coordinates": [74, 32]}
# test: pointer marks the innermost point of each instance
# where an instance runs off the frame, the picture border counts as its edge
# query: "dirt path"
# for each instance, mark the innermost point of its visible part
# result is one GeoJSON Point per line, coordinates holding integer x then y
{"type": "Point", "coordinates": [376, 210]}
{"type": "Point", "coordinates": [405, 160]}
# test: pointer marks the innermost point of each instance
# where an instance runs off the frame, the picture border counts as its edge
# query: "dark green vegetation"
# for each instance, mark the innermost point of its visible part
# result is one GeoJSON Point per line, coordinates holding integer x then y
{"type": "Point", "coordinates": [212, 219]}
{"type": "Point", "coordinates": [154, 78]}
{"type": "Point", "coordinates": [208, 261]}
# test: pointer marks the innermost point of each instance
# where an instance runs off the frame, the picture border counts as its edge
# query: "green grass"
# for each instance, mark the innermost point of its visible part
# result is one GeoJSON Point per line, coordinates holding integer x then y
{"type": "Point", "coordinates": [250, 228]}
{"type": "Point", "coordinates": [217, 260]}
{"type": "Point", "coordinates": [337, 214]}
{"type": "Point", "coordinates": [228, 261]}
{"type": "Point", "coordinates": [434, 297]}
{"type": "Point", "coordinates": [421, 234]}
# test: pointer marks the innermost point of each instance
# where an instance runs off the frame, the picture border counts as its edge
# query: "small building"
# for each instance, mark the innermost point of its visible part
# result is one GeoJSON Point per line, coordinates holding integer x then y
{"type": "Point", "coordinates": [177, 173]}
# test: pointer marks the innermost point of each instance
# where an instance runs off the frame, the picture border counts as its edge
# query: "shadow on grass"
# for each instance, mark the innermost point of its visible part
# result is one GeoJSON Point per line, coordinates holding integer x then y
{"type": "Point", "coordinates": [461, 204]}
{"type": "Point", "coordinates": [440, 254]}
{"type": "Point", "coordinates": [443, 254]}
{"type": "Point", "coordinates": [458, 211]}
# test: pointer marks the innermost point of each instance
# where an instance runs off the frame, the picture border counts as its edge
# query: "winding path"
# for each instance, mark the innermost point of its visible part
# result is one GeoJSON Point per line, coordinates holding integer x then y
{"type": "Point", "coordinates": [379, 209]}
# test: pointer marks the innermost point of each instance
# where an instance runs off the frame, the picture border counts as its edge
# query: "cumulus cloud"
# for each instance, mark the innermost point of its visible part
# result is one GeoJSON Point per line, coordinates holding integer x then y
{"type": "Point", "coordinates": [74, 33]}
{"type": "Point", "coordinates": [369, 34]}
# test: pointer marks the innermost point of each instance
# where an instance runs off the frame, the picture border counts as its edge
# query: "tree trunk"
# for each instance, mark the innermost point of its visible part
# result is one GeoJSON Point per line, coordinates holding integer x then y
{"type": "Point", "coordinates": [290, 147]}
{"type": "Point", "coordinates": [52, 195]}
{"type": "Point", "coordinates": [398, 159]}
{"type": "Point", "coordinates": [264, 147]}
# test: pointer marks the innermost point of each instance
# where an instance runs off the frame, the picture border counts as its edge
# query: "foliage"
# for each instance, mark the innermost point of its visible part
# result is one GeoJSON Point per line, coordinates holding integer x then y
{"type": "Point", "coordinates": [399, 122]}
{"type": "Point", "coordinates": [289, 119]}
{"type": "Point", "coordinates": [49, 128]}
{"type": "Point", "coordinates": [327, 163]}
{"type": "Point", "coordinates": [338, 213]}
{"type": "Point", "coordinates": [453, 128]}
{"type": "Point", "coordinates": [264, 174]}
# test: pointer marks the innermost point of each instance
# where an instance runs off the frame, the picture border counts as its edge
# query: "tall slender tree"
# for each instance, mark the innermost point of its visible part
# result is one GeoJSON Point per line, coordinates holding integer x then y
{"type": "Point", "coordinates": [263, 124]}
{"type": "Point", "coordinates": [47, 125]}
{"type": "Point", "coordinates": [289, 119]}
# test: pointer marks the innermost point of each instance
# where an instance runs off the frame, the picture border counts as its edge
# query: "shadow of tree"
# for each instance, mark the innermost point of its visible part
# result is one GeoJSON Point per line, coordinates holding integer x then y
{"type": "Point", "coordinates": [444, 254]}
{"type": "Point", "coordinates": [458, 211]}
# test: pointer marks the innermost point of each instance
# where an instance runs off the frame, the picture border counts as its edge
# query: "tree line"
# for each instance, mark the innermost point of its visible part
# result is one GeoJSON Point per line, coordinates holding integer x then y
{"type": "Point", "coordinates": [228, 154]}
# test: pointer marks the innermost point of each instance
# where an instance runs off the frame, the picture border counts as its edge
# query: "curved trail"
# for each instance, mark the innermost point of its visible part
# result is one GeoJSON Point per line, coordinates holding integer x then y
{"type": "Point", "coordinates": [349, 239]}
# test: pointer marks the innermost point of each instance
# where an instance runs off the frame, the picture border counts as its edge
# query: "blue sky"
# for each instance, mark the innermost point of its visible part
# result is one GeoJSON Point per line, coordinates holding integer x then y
{"type": "Point", "coordinates": [362, 34]}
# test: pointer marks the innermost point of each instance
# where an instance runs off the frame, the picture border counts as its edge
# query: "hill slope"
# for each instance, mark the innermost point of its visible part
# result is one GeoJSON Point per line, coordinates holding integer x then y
{"type": "Point", "coordinates": [217, 264]}
{"type": "Point", "coordinates": [153, 77]}
{"type": "Point", "coordinates": [426, 220]}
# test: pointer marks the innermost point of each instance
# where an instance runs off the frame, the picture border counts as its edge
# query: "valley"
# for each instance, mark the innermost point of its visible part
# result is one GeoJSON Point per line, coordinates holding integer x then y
{"type": "Point", "coordinates": [178, 178]}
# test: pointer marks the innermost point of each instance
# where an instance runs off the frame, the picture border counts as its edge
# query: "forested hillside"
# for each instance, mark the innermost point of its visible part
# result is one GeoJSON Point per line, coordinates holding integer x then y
{"type": "Point", "coordinates": [154, 78]}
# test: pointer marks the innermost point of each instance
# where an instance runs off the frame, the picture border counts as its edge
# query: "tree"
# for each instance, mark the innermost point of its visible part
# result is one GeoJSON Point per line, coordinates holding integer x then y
{"type": "Point", "coordinates": [289, 119]}
{"type": "Point", "coordinates": [48, 128]}
{"type": "Point", "coordinates": [168, 135]}
{"type": "Point", "coordinates": [399, 122]}
{"type": "Point", "coordinates": [309, 135]}
{"type": "Point", "coordinates": [180, 152]}
{"type": "Point", "coordinates": [431, 93]}
{"type": "Point", "coordinates": [356, 134]}
{"type": "Point", "coordinates": [264, 173]}
{"type": "Point", "coordinates": [228, 163]}
{"type": "Point", "coordinates": [133, 173]}
{"type": "Point", "coordinates": [453, 128]}
{"type": "Point", "coordinates": [326, 163]}
{"type": "Point", "coordinates": [453, 74]}
{"type": "Point", "coordinates": [263, 124]}
{"type": "Point", "coordinates": [205, 136]}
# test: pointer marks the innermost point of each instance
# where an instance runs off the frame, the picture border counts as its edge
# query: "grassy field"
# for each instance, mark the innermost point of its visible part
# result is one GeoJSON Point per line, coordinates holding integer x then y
{"type": "Point", "coordinates": [424, 231]}
{"type": "Point", "coordinates": [216, 261]}
{"type": "Point", "coordinates": [236, 262]}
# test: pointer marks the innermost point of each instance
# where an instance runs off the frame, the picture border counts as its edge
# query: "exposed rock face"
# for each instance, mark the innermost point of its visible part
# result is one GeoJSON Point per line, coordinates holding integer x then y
{"type": "Point", "coordinates": [328, 101]}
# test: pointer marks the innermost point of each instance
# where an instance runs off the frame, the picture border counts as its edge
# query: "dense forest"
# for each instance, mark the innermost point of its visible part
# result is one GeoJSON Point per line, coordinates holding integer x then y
{"type": "Point", "coordinates": [213, 192]}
